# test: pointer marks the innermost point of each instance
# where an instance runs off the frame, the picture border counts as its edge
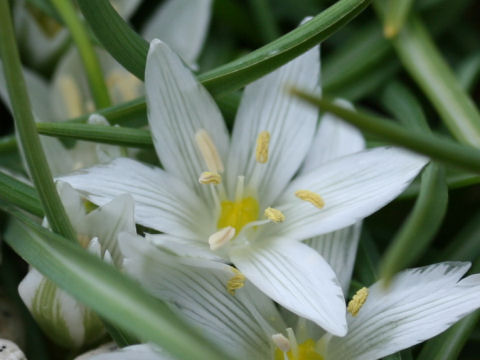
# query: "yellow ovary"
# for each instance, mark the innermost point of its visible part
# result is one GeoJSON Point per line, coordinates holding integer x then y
{"type": "Point", "coordinates": [306, 351]}
{"type": "Point", "coordinates": [237, 214]}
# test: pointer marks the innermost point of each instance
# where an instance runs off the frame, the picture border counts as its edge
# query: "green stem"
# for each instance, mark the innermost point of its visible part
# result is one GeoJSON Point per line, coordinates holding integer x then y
{"type": "Point", "coordinates": [26, 128]}
{"type": "Point", "coordinates": [433, 146]}
{"type": "Point", "coordinates": [20, 194]}
{"type": "Point", "coordinates": [425, 64]}
{"type": "Point", "coordinates": [90, 60]}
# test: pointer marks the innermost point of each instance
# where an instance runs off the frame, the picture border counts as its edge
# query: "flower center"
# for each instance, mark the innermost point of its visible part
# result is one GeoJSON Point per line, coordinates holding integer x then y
{"type": "Point", "coordinates": [304, 351]}
{"type": "Point", "coordinates": [238, 213]}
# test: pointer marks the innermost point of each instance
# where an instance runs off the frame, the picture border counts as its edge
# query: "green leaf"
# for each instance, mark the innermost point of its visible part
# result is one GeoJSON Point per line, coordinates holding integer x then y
{"type": "Point", "coordinates": [27, 132]}
{"type": "Point", "coordinates": [423, 61]}
{"type": "Point", "coordinates": [20, 194]}
{"type": "Point", "coordinates": [435, 147]}
{"type": "Point", "coordinates": [104, 289]}
{"type": "Point", "coordinates": [89, 58]}
{"type": "Point", "coordinates": [115, 135]}
{"type": "Point", "coordinates": [129, 49]}
{"type": "Point", "coordinates": [413, 238]}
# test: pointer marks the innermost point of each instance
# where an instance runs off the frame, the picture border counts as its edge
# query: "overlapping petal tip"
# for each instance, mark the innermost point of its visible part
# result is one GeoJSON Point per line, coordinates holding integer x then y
{"type": "Point", "coordinates": [208, 294]}
{"type": "Point", "coordinates": [267, 106]}
{"type": "Point", "coordinates": [351, 188]}
{"type": "Point", "coordinates": [162, 202]}
{"type": "Point", "coordinates": [419, 304]}
{"type": "Point", "coordinates": [297, 277]}
{"type": "Point", "coordinates": [335, 138]}
{"type": "Point", "coordinates": [339, 249]}
{"type": "Point", "coordinates": [182, 24]}
{"type": "Point", "coordinates": [179, 109]}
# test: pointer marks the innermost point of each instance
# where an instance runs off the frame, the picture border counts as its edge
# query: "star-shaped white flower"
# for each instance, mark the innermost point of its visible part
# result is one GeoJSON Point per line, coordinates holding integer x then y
{"type": "Point", "coordinates": [239, 201]}
{"type": "Point", "coordinates": [419, 304]}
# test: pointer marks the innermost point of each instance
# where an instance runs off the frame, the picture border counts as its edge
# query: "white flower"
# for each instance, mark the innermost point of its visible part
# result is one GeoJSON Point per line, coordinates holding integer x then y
{"type": "Point", "coordinates": [419, 304]}
{"type": "Point", "coordinates": [62, 317]}
{"type": "Point", "coordinates": [68, 95]}
{"type": "Point", "coordinates": [240, 203]}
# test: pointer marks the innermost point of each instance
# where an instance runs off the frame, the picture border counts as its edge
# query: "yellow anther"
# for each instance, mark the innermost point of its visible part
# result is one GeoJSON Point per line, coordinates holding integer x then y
{"type": "Point", "coordinates": [237, 281]}
{"type": "Point", "coordinates": [311, 197]}
{"type": "Point", "coordinates": [72, 96]}
{"type": "Point", "coordinates": [209, 151]}
{"type": "Point", "coordinates": [274, 215]}
{"type": "Point", "coordinates": [357, 301]}
{"type": "Point", "coordinates": [263, 141]}
{"type": "Point", "coordinates": [84, 240]}
{"type": "Point", "coordinates": [208, 177]}
{"type": "Point", "coordinates": [281, 342]}
{"type": "Point", "coordinates": [221, 237]}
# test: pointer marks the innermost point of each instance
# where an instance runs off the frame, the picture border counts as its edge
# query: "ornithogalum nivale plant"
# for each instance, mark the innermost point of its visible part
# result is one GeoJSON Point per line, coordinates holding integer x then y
{"type": "Point", "coordinates": [197, 180]}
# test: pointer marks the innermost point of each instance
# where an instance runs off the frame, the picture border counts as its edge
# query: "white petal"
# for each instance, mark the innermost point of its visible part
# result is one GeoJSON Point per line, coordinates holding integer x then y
{"type": "Point", "coordinates": [339, 249]}
{"type": "Point", "coordinates": [105, 153]}
{"type": "Point", "coordinates": [162, 202]}
{"type": "Point", "coordinates": [10, 350]}
{"type": "Point", "coordinates": [109, 220]}
{"type": "Point", "coordinates": [297, 277]}
{"type": "Point", "coordinates": [126, 8]}
{"type": "Point", "coordinates": [58, 314]}
{"type": "Point", "coordinates": [135, 352]}
{"type": "Point", "coordinates": [178, 107]}
{"type": "Point", "coordinates": [183, 247]}
{"type": "Point", "coordinates": [334, 138]}
{"type": "Point", "coordinates": [419, 304]}
{"type": "Point", "coordinates": [73, 204]}
{"type": "Point", "coordinates": [182, 24]}
{"type": "Point", "coordinates": [352, 188]}
{"type": "Point", "coordinates": [240, 323]}
{"type": "Point", "coordinates": [267, 106]}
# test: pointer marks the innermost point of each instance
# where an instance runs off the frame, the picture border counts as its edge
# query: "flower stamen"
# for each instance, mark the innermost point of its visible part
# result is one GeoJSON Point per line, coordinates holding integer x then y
{"type": "Point", "coordinates": [357, 301]}
{"type": "Point", "coordinates": [208, 177]}
{"type": "Point", "coordinates": [263, 142]}
{"type": "Point", "coordinates": [221, 237]}
{"type": "Point", "coordinates": [71, 95]}
{"type": "Point", "coordinates": [274, 215]}
{"type": "Point", "coordinates": [313, 198]}
{"type": "Point", "coordinates": [209, 151]}
{"type": "Point", "coordinates": [236, 282]}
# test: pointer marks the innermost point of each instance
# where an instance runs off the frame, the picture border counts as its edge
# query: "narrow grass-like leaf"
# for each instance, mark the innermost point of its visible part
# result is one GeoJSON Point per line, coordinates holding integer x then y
{"type": "Point", "coordinates": [113, 295]}
{"type": "Point", "coordinates": [400, 102]}
{"type": "Point", "coordinates": [129, 49]}
{"type": "Point", "coordinates": [396, 12]}
{"type": "Point", "coordinates": [25, 125]}
{"type": "Point", "coordinates": [434, 146]}
{"type": "Point", "coordinates": [89, 58]}
{"type": "Point", "coordinates": [425, 64]}
{"type": "Point", "coordinates": [468, 71]}
{"type": "Point", "coordinates": [17, 193]}
{"type": "Point", "coordinates": [421, 225]}
{"type": "Point", "coordinates": [114, 135]}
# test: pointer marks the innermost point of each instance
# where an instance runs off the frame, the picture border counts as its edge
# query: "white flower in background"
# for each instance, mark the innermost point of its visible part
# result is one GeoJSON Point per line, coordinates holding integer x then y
{"type": "Point", "coordinates": [42, 39]}
{"type": "Point", "coordinates": [68, 95]}
{"type": "Point", "coordinates": [240, 203]}
{"type": "Point", "coordinates": [419, 304]}
{"type": "Point", "coordinates": [60, 316]}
